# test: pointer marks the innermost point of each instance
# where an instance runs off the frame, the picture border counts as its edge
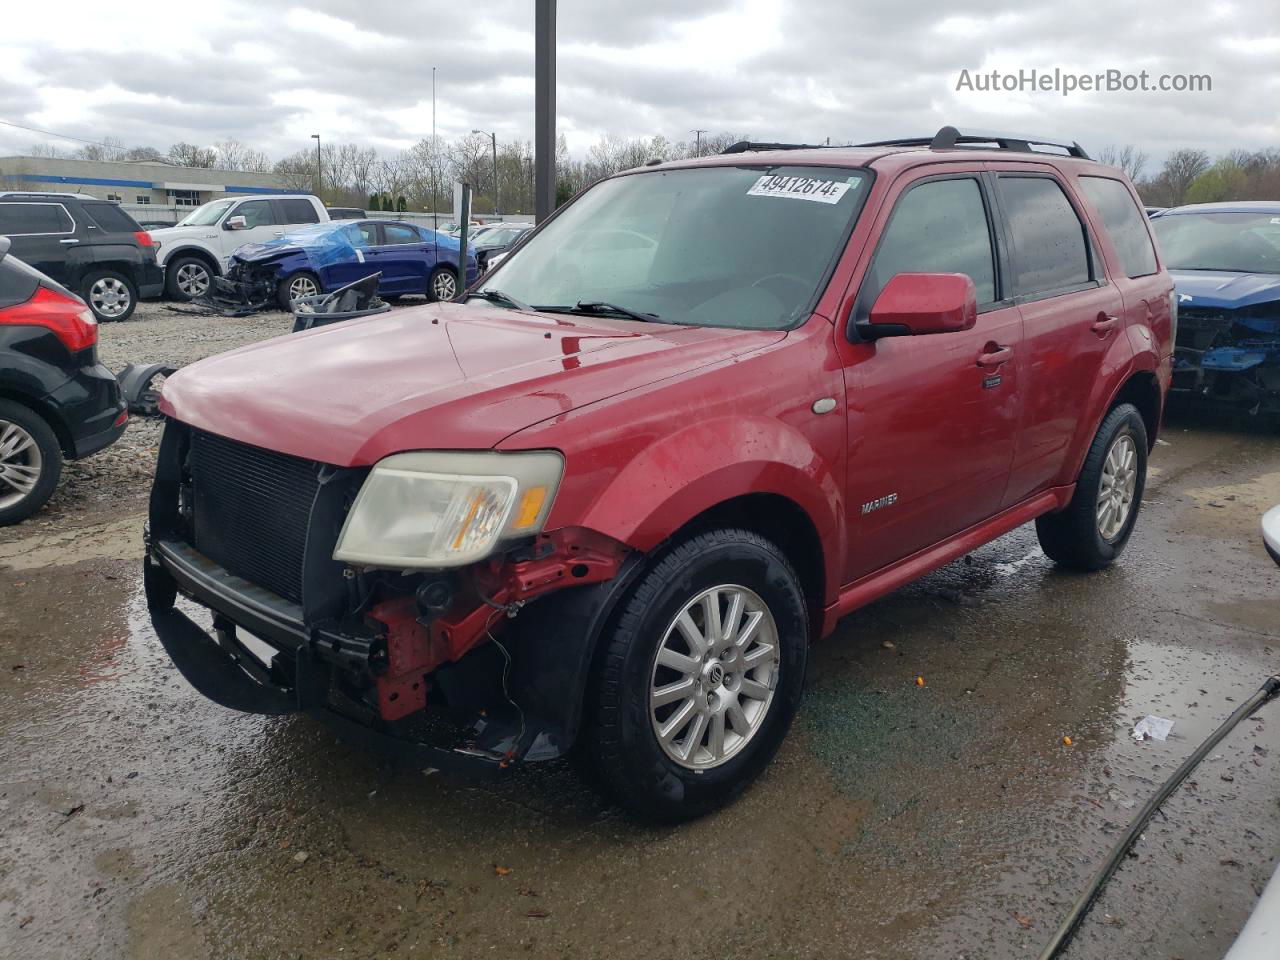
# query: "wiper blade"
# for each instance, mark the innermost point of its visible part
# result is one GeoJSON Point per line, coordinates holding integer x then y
{"type": "Point", "coordinates": [599, 306]}
{"type": "Point", "coordinates": [500, 298]}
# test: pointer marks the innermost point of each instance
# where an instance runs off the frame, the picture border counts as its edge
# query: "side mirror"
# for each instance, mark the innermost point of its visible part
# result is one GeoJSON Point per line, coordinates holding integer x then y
{"type": "Point", "coordinates": [912, 304]}
{"type": "Point", "coordinates": [236, 223]}
{"type": "Point", "coordinates": [1271, 532]}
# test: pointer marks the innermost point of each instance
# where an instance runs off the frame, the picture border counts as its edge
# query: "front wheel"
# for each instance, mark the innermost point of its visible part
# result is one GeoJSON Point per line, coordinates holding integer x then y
{"type": "Point", "coordinates": [700, 678]}
{"type": "Point", "coordinates": [1094, 528]}
{"type": "Point", "coordinates": [442, 284]}
{"type": "Point", "coordinates": [295, 286]}
{"type": "Point", "coordinates": [30, 462]}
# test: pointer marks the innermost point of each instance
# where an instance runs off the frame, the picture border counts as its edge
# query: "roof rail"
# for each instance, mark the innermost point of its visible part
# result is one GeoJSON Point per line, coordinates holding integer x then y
{"type": "Point", "coordinates": [948, 138]}
{"type": "Point", "coordinates": [747, 146]}
{"type": "Point", "coordinates": [46, 193]}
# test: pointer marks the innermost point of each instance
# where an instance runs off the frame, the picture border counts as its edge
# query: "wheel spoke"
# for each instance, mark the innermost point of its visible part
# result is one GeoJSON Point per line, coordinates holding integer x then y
{"type": "Point", "coordinates": [733, 617]}
{"type": "Point", "coordinates": [692, 635]}
{"type": "Point", "coordinates": [21, 478]}
{"type": "Point", "coordinates": [711, 619]}
{"type": "Point", "coordinates": [716, 742]}
{"type": "Point", "coordinates": [759, 654]}
{"type": "Point", "coordinates": [677, 721]}
{"type": "Point", "coordinates": [697, 730]}
{"type": "Point", "coordinates": [754, 689]}
{"type": "Point", "coordinates": [678, 661]}
{"type": "Point", "coordinates": [754, 619]}
{"type": "Point", "coordinates": [737, 718]}
{"type": "Point", "coordinates": [674, 691]}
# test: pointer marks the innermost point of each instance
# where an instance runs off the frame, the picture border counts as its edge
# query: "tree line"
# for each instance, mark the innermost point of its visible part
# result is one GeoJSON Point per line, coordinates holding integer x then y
{"type": "Point", "coordinates": [422, 177]}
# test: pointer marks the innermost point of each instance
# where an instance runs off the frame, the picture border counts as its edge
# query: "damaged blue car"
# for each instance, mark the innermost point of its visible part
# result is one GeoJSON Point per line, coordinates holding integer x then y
{"type": "Point", "coordinates": [1225, 260]}
{"type": "Point", "coordinates": [324, 257]}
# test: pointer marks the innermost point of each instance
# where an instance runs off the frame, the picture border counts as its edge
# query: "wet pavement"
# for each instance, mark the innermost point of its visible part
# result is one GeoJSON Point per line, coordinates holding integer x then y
{"type": "Point", "coordinates": [946, 820]}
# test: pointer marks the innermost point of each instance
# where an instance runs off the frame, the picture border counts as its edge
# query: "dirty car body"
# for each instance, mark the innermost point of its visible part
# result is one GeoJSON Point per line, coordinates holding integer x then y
{"type": "Point", "coordinates": [330, 256]}
{"type": "Point", "coordinates": [1225, 260]}
{"type": "Point", "coordinates": [687, 425]}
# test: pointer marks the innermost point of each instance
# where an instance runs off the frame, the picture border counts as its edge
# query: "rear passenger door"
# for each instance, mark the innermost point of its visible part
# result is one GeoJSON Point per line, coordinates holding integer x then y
{"type": "Point", "coordinates": [1071, 315]}
{"type": "Point", "coordinates": [403, 257]}
{"type": "Point", "coordinates": [931, 418]}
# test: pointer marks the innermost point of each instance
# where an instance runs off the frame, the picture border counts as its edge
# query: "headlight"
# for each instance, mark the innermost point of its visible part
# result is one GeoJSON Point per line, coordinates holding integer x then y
{"type": "Point", "coordinates": [441, 509]}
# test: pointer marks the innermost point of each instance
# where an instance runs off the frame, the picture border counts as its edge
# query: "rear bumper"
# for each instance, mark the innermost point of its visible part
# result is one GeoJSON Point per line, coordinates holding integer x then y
{"type": "Point", "coordinates": [298, 677]}
{"type": "Point", "coordinates": [150, 281]}
{"type": "Point", "coordinates": [90, 403]}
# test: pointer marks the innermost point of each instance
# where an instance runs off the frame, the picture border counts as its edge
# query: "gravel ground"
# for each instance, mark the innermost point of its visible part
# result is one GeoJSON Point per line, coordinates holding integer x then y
{"type": "Point", "coordinates": [158, 332]}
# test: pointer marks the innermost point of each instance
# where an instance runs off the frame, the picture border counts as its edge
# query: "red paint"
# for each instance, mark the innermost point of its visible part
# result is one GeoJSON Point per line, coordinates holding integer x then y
{"type": "Point", "coordinates": [951, 438]}
{"type": "Point", "coordinates": [927, 303]}
{"type": "Point", "coordinates": [63, 315]}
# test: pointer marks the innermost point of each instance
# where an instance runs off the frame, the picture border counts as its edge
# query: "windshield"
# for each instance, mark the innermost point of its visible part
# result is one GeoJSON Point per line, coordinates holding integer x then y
{"type": "Point", "coordinates": [742, 246]}
{"type": "Point", "coordinates": [208, 214]}
{"type": "Point", "coordinates": [1232, 242]}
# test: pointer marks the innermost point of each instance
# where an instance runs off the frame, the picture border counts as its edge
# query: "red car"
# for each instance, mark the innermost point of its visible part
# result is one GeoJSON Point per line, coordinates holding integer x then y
{"type": "Point", "coordinates": [703, 412]}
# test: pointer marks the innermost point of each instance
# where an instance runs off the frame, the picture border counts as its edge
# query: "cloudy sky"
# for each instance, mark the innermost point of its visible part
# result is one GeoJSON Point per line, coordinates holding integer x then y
{"type": "Point", "coordinates": [272, 73]}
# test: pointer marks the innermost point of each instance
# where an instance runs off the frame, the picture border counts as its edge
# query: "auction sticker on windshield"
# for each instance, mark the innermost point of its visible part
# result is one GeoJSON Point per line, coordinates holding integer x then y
{"type": "Point", "coordinates": [799, 188]}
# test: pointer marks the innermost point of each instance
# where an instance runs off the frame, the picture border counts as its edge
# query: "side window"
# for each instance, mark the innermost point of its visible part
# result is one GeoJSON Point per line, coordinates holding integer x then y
{"type": "Point", "coordinates": [399, 233]}
{"type": "Point", "coordinates": [1048, 245]}
{"type": "Point", "coordinates": [256, 213]}
{"type": "Point", "coordinates": [111, 218]}
{"type": "Point", "coordinates": [363, 235]}
{"type": "Point", "coordinates": [298, 211]}
{"type": "Point", "coordinates": [1126, 224]}
{"type": "Point", "coordinates": [939, 226]}
{"type": "Point", "coordinates": [26, 219]}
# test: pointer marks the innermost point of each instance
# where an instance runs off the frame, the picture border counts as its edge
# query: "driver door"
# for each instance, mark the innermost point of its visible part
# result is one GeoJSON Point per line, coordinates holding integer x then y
{"type": "Point", "coordinates": [931, 418]}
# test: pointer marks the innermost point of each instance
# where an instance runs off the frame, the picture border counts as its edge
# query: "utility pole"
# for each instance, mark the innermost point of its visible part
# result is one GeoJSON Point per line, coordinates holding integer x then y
{"type": "Point", "coordinates": [435, 218]}
{"type": "Point", "coordinates": [544, 108]}
{"type": "Point", "coordinates": [697, 140]}
{"type": "Point", "coordinates": [493, 137]}
{"type": "Point", "coordinates": [319, 172]}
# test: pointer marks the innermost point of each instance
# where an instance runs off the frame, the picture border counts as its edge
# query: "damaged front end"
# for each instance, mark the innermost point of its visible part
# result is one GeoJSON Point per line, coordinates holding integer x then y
{"type": "Point", "coordinates": [446, 668]}
{"type": "Point", "coordinates": [1230, 355]}
{"type": "Point", "coordinates": [247, 287]}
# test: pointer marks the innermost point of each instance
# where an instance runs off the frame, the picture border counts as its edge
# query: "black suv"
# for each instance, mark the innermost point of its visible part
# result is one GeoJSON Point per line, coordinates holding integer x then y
{"type": "Point", "coordinates": [56, 400]}
{"type": "Point", "coordinates": [89, 245]}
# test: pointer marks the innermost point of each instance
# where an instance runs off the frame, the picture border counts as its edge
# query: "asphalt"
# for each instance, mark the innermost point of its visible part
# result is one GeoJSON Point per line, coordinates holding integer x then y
{"type": "Point", "coordinates": [945, 820]}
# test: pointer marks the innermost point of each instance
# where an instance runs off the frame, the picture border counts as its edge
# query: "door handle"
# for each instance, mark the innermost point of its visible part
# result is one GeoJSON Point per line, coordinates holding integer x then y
{"type": "Point", "coordinates": [994, 357]}
{"type": "Point", "coordinates": [69, 241]}
{"type": "Point", "coordinates": [1104, 323]}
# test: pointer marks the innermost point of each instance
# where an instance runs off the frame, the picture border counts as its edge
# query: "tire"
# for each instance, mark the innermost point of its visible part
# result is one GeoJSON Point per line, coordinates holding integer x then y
{"type": "Point", "coordinates": [442, 284]}
{"type": "Point", "coordinates": [1084, 536]}
{"type": "Point", "coordinates": [688, 777]}
{"type": "Point", "coordinates": [188, 277]}
{"type": "Point", "coordinates": [27, 443]}
{"type": "Point", "coordinates": [110, 295]}
{"type": "Point", "coordinates": [289, 288]}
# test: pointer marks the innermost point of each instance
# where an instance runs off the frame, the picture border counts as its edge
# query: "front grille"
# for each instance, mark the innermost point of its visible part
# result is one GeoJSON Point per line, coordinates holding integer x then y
{"type": "Point", "coordinates": [251, 511]}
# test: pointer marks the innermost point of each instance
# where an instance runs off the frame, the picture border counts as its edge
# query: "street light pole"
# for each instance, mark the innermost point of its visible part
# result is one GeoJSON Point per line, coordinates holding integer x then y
{"type": "Point", "coordinates": [319, 172]}
{"type": "Point", "coordinates": [544, 108]}
{"type": "Point", "coordinates": [435, 220]}
{"type": "Point", "coordinates": [494, 138]}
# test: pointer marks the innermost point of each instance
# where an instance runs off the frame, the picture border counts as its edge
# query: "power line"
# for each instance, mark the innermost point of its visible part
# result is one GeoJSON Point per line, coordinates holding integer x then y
{"type": "Point", "coordinates": [59, 136]}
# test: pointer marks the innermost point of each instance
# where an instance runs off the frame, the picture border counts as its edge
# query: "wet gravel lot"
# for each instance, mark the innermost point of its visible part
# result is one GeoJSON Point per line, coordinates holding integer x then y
{"type": "Point", "coordinates": [946, 820]}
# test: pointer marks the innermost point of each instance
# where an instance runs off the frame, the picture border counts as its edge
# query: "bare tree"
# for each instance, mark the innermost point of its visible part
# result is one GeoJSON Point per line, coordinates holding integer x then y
{"type": "Point", "coordinates": [1128, 158]}
{"type": "Point", "coordinates": [297, 171]}
{"type": "Point", "coordinates": [110, 148]}
{"type": "Point", "coordinates": [142, 153]}
{"type": "Point", "coordinates": [234, 155]}
{"type": "Point", "coordinates": [189, 155]}
{"type": "Point", "coordinates": [1180, 169]}
{"type": "Point", "coordinates": [44, 150]}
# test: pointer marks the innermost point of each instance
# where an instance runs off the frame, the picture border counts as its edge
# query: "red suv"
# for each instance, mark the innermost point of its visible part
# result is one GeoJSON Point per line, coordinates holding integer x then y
{"type": "Point", "coordinates": [700, 414]}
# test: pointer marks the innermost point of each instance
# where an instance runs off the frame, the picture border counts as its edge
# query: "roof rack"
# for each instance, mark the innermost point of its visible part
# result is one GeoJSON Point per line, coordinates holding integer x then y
{"type": "Point", "coordinates": [948, 138]}
{"type": "Point", "coordinates": [46, 193]}
{"type": "Point", "coordinates": [746, 146]}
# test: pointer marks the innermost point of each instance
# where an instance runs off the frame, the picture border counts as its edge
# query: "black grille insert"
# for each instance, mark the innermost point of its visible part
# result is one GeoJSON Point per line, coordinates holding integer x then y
{"type": "Point", "coordinates": [252, 508]}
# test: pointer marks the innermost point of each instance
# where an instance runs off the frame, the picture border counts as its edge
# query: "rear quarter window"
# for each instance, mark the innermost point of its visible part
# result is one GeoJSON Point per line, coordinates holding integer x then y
{"type": "Point", "coordinates": [1049, 250]}
{"type": "Point", "coordinates": [111, 218]}
{"type": "Point", "coordinates": [298, 211]}
{"type": "Point", "coordinates": [25, 219]}
{"type": "Point", "coordinates": [1124, 222]}
{"type": "Point", "coordinates": [18, 282]}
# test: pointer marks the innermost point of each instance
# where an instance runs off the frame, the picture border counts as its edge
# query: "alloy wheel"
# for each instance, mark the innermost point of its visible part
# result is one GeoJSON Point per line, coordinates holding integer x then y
{"type": "Point", "coordinates": [713, 676]}
{"type": "Point", "coordinates": [444, 286]}
{"type": "Point", "coordinates": [20, 464]}
{"type": "Point", "coordinates": [109, 297]}
{"type": "Point", "coordinates": [1115, 492]}
{"type": "Point", "coordinates": [193, 280]}
{"type": "Point", "coordinates": [300, 287]}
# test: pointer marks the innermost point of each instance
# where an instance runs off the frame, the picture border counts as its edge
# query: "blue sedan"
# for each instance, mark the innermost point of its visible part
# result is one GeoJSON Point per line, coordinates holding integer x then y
{"type": "Point", "coordinates": [325, 256]}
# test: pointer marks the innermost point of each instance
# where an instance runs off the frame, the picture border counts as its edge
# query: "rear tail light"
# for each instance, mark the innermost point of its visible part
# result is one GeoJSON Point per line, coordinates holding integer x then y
{"type": "Point", "coordinates": [67, 317]}
{"type": "Point", "coordinates": [144, 239]}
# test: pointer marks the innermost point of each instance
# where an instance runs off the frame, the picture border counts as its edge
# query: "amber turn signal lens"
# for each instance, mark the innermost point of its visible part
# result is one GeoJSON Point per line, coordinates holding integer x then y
{"type": "Point", "coordinates": [530, 506]}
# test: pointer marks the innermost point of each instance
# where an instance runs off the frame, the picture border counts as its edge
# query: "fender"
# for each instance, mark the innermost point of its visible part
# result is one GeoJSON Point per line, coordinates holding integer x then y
{"type": "Point", "coordinates": [188, 246]}
{"type": "Point", "coordinates": [700, 466]}
{"type": "Point", "coordinates": [1134, 351]}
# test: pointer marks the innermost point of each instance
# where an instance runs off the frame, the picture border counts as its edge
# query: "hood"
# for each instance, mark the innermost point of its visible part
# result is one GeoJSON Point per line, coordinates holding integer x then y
{"type": "Point", "coordinates": [1214, 288]}
{"type": "Point", "coordinates": [442, 376]}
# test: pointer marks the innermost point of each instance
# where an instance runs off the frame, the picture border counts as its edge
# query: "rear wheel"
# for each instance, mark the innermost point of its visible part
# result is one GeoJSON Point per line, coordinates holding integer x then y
{"type": "Point", "coordinates": [1094, 528]}
{"type": "Point", "coordinates": [294, 286]}
{"type": "Point", "coordinates": [442, 284]}
{"type": "Point", "coordinates": [700, 678]}
{"type": "Point", "coordinates": [188, 278]}
{"type": "Point", "coordinates": [110, 295]}
{"type": "Point", "coordinates": [30, 462]}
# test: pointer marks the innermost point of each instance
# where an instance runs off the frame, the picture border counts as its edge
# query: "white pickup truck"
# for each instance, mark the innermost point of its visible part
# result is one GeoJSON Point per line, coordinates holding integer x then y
{"type": "Point", "coordinates": [200, 246]}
